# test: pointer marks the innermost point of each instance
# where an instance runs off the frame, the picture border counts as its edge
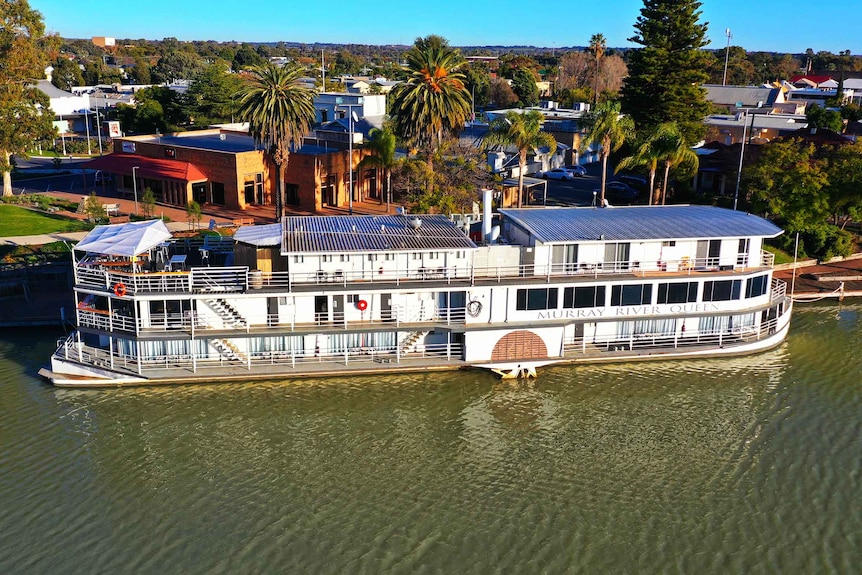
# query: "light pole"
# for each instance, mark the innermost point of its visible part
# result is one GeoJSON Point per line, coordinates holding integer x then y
{"type": "Point", "coordinates": [87, 126]}
{"type": "Point", "coordinates": [99, 129]}
{"type": "Point", "coordinates": [135, 187]}
{"type": "Point", "coordinates": [726, 56]}
{"type": "Point", "coordinates": [741, 154]}
{"type": "Point", "coordinates": [350, 119]}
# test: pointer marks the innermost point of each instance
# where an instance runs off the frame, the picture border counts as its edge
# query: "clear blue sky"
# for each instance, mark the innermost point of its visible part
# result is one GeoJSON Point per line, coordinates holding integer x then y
{"type": "Point", "coordinates": [783, 26]}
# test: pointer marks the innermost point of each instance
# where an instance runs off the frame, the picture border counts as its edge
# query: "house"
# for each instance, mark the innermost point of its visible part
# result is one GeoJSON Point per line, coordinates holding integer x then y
{"type": "Point", "coordinates": [756, 125]}
{"type": "Point", "coordinates": [744, 96]}
{"type": "Point", "coordinates": [333, 105]}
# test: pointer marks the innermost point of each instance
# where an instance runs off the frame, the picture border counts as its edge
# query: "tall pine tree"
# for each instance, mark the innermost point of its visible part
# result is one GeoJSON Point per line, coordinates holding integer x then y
{"type": "Point", "coordinates": [666, 75]}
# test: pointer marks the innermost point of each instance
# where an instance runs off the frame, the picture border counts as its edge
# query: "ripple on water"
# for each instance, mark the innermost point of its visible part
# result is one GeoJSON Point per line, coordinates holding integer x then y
{"type": "Point", "coordinates": [726, 465]}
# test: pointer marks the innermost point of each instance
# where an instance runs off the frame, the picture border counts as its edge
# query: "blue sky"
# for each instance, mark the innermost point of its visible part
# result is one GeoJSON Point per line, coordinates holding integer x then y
{"type": "Point", "coordinates": [784, 26]}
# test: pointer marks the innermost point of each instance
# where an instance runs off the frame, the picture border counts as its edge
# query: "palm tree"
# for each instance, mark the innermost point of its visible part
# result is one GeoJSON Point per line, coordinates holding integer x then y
{"type": "Point", "coordinates": [523, 131]}
{"type": "Point", "coordinates": [597, 47]}
{"type": "Point", "coordinates": [381, 143]}
{"type": "Point", "coordinates": [649, 154]}
{"type": "Point", "coordinates": [279, 111]}
{"type": "Point", "coordinates": [677, 154]}
{"type": "Point", "coordinates": [433, 102]}
{"type": "Point", "coordinates": [608, 127]}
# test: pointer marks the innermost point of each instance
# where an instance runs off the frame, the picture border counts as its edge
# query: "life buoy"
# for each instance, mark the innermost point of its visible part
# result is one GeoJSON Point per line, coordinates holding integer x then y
{"type": "Point", "coordinates": [474, 308]}
{"type": "Point", "coordinates": [119, 289]}
{"type": "Point", "coordinates": [362, 305]}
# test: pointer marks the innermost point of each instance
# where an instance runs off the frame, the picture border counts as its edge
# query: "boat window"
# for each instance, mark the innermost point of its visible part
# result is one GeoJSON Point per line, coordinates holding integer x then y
{"type": "Point", "coordinates": [637, 294]}
{"type": "Point", "coordinates": [532, 299]}
{"type": "Point", "coordinates": [724, 290]}
{"type": "Point", "coordinates": [590, 296]}
{"type": "Point", "coordinates": [680, 292]}
{"type": "Point", "coordinates": [756, 286]}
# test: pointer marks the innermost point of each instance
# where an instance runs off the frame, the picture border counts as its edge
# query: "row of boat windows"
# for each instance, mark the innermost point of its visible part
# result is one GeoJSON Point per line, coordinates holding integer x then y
{"type": "Point", "coordinates": [640, 294]}
{"type": "Point", "coordinates": [460, 254]}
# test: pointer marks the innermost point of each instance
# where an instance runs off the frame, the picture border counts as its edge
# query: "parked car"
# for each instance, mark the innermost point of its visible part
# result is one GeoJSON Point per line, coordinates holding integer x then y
{"type": "Point", "coordinates": [578, 170]}
{"type": "Point", "coordinates": [637, 182]}
{"type": "Point", "coordinates": [559, 174]}
{"type": "Point", "coordinates": [620, 192]}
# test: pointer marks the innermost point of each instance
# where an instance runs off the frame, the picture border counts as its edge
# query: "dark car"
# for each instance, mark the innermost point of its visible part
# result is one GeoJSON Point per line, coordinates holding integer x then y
{"type": "Point", "coordinates": [639, 183]}
{"type": "Point", "coordinates": [620, 192]}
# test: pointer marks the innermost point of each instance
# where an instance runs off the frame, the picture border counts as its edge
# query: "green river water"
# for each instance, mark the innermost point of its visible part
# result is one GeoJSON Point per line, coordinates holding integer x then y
{"type": "Point", "coordinates": [743, 465]}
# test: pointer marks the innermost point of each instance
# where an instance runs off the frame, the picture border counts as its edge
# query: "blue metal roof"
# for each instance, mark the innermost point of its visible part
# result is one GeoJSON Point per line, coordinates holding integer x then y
{"type": "Point", "coordinates": [557, 225]}
{"type": "Point", "coordinates": [324, 234]}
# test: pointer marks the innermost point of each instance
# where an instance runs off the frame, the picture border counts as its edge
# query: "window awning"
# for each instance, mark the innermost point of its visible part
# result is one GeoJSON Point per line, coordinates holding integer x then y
{"type": "Point", "coordinates": [153, 168]}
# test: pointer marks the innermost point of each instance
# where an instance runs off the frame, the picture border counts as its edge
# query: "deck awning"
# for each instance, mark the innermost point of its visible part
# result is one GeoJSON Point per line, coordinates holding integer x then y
{"type": "Point", "coordinates": [153, 168]}
{"type": "Point", "coordinates": [125, 240]}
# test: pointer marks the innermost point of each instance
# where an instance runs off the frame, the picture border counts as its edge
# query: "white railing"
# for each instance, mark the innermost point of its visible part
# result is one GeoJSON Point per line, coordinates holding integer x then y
{"type": "Point", "coordinates": [778, 290]}
{"type": "Point", "coordinates": [240, 279]}
{"type": "Point", "coordinates": [690, 338]}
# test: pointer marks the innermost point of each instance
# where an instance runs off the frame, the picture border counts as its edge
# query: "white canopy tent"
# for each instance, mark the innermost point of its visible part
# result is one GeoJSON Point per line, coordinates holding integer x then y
{"type": "Point", "coordinates": [125, 240]}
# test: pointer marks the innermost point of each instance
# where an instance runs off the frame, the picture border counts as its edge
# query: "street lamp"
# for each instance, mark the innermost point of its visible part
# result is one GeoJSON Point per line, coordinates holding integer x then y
{"type": "Point", "coordinates": [135, 187]}
{"type": "Point", "coordinates": [726, 56]}
{"type": "Point", "coordinates": [741, 154]}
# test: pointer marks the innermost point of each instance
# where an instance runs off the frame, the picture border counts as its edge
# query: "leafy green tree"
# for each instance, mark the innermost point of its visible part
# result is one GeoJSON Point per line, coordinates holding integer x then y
{"type": "Point", "coordinates": [524, 86]}
{"type": "Point", "coordinates": [648, 154]}
{"type": "Point", "coordinates": [788, 182]}
{"type": "Point", "coordinates": [524, 132]}
{"type": "Point", "coordinates": [824, 118]}
{"type": "Point", "coordinates": [141, 73]}
{"type": "Point", "coordinates": [193, 214]}
{"type": "Point", "coordinates": [381, 143]}
{"type": "Point", "coordinates": [667, 73]}
{"type": "Point", "coordinates": [212, 95]}
{"type": "Point", "coordinates": [844, 175]}
{"type": "Point", "coordinates": [66, 74]}
{"type": "Point", "coordinates": [501, 93]}
{"type": "Point", "coordinates": [433, 103]}
{"type": "Point", "coordinates": [177, 65]}
{"type": "Point", "coordinates": [280, 111]}
{"type": "Point", "coordinates": [148, 202]}
{"type": "Point", "coordinates": [22, 62]}
{"type": "Point", "coordinates": [246, 57]}
{"type": "Point", "coordinates": [606, 126]}
{"type": "Point", "coordinates": [94, 208]}
{"type": "Point", "coordinates": [597, 48]}
{"type": "Point", "coordinates": [477, 81]}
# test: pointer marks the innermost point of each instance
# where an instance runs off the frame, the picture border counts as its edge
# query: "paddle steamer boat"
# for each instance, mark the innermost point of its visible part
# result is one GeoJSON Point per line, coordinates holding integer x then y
{"type": "Point", "coordinates": [339, 295]}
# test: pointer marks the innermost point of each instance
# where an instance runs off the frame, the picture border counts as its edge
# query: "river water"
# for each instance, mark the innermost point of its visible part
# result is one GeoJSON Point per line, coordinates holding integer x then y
{"type": "Point", "coordinates": [744, 465]}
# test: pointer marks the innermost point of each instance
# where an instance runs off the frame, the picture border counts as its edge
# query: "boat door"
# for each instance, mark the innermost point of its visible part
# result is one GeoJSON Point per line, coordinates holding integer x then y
{"type": "Point", "coordinates": [272, 311]}
{"type": "Point", "coordinates": [321, 308]}
{"type": "Point", "coordinates": [579, 334]}
{"type": "Point", "coordinates": [386, 307]}
{"type": "Point", "coordinates": [338, 308]}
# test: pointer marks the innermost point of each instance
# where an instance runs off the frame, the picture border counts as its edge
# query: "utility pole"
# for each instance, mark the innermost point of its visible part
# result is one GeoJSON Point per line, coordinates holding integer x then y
{"type": "Point", "coordinates": [726, 56]}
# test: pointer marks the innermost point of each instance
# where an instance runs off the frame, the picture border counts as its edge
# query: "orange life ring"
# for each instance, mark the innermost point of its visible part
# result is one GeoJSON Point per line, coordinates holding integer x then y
{"type": "Point", "coordinates": [119, 289]}
{"type": "Point", "coordinates": [362, 305]}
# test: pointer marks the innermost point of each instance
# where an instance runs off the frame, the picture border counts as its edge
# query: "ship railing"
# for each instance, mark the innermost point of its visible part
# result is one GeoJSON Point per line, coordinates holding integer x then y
{"type": "Point", "coordinates": [671, 340]}
{"type": "Point", "coordinates": [105, 321]}
{"type": "Point", "coordinates": [778, 291]}
{"type": "Point", "coordinates": [225, 279]}
{"type": "Point", "coordinates": [767, 259]}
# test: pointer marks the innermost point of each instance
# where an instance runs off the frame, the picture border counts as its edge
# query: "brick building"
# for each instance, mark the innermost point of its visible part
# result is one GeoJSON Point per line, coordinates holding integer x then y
{"type": "Point", "coordinates": [224, 168]}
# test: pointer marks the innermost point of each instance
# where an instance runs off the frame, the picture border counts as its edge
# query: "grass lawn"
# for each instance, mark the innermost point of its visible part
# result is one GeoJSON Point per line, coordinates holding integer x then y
{"type": "Point", "coordinates": [781, 257]}
{"type": "Point", "coordinates": [15, 221]}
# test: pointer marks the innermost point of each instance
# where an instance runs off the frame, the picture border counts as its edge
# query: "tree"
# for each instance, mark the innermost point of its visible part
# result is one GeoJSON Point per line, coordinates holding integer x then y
{"type": "Point", "coordinates": [823, 118]}
{"type": "Point", "coordinates": [676, 154]}
{"type": "Point", "coordinates": [607, 127]}
{"type": "Point", "coordinates": [666, 75]}
{"type": "Point", "coordinates": [381, 143]}
{"type": "Point", "coordinates": [94, 208]}
{"type": "Point", "coordinates": [246, 57]}
{"type": "Point", "coordinates": [477, 81]}
{"type": "Point", "coordinates": [597, 47]}
{"type": "Point", "coordinates": [524, 132]}
{"type": "Point", "coordinates": [844, 175]}
{"type": "Point", "coordinates": [177, 65]}
{"type": "Point", "coordinates": [433, 102]}
{"type": "Point", "coordinates": [501, 93]}
{"type": "Point", "coordinates": [648, 154]}
{"type": "Point", "coordinates": [193, 214]}
{"type": "Point", "coordinates": [148, 202]}
{"type": "Point", "coordinates": [22, 62]}
{"type": "Point", "coordinates": [212, 94]}
{"type": "Point", "coordinates": [280, 111]}
{"type": "Point", "coordinates": [524, 86]}
{"type": "Point", "coordinates": [66, 74]}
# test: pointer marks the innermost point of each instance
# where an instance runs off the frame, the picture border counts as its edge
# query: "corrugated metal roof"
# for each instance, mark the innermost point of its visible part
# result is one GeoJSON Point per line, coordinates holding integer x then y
{"type": "Point", "coordinates": [260, 236]}
{"type": "Point", "coordinates": [323, 234]}
{"type": "Point", "coordinates": [550, 225]}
